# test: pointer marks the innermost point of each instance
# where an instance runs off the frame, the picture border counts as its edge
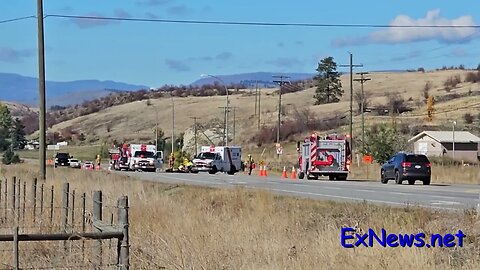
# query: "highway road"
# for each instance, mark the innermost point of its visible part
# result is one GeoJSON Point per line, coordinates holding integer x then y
{"type": "Point", "coordinates": [438, 196]}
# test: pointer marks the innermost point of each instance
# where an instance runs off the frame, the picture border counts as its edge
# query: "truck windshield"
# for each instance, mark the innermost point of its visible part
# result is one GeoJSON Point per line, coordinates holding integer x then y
{"type": "Point", "coordinates": [144, 154]}
{"type": "Point", "coordinates": [206, 155]}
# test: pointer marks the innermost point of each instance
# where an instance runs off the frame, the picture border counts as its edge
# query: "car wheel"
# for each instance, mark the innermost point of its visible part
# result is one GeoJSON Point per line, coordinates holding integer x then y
{"type": "Point", "coordinates": [332, 177]}
{"type": "Point", "coordinates": [213, 170]}
{"type": "Point", "coordinates": [426, 181]}
{"type": "Point", "coordinates": [232, 170]}
{"type": "Point", "coordinates": [383, 179]}
{"type": "Point", "coordinates": [398, 178]}
{"type": "Point", "coordinates": [301, 175]}
{"type": "Point", "coordinates": [411, 181]}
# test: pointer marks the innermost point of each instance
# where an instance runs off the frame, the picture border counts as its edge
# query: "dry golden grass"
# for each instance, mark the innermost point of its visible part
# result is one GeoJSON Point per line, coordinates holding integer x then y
{"type": "Point", "coordinates": [136, 120]}
{"type": "Point", "coordinates": [183, 227]}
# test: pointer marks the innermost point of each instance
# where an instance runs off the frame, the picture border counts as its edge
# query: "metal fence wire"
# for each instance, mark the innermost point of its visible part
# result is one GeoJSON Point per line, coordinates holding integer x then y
{"type": "Point", "coordinates": [52, 228]}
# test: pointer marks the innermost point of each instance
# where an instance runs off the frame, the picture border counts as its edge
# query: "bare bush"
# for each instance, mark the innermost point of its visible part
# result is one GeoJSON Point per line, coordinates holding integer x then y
{"type": "Point", "coordinates": [468, 118]}
{"type": "Point", "coordinates": [396, 103]}
{"type": "Point", "coordinates": [452, 82]}
{"type": "Point", "coordinates": [303, 121]}
{"type": "Point", "coordinates": [426, 89]}
{"type": "Point", "coordinates": [367, 99]}
{"type": "Point", "coordinates": [472, 77]}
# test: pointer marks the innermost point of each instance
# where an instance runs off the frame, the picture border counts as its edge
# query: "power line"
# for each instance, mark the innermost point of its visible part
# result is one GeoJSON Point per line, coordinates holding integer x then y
{"type": "Point", "coordinates": [256, 23]}
{"type": "Point", "coordinates": [18, 19]}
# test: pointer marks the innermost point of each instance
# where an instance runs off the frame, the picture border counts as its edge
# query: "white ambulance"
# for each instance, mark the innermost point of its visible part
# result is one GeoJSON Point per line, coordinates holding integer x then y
{"type": "Point", "coordinates": [213, 159]}
{"type": "Point", "coordinates": [144, 157]}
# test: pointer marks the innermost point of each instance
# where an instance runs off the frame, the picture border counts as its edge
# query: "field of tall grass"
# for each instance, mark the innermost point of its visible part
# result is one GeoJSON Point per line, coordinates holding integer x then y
{"type": "Point", "coordinates": [185, 227]}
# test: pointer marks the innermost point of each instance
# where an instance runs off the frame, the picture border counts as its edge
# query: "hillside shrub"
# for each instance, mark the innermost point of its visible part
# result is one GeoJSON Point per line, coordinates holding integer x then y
{"type": "Point", "coordinates": [452, 82]}
{"type": "Point", "coordinates": [472, 77]}
{"type": "Point", "coordinates": [468, 118]}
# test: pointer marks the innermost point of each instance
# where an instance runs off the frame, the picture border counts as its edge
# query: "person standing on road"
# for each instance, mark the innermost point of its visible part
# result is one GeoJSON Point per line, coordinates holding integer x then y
{"type": "Point", "coordinates": [250, 163]}
{"type": "Point", "coordinates": [98, 160]}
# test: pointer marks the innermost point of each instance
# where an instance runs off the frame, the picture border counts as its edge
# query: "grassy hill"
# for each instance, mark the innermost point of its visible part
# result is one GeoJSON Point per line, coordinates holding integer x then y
{"type": "Point", "coordinates": [136, 121]}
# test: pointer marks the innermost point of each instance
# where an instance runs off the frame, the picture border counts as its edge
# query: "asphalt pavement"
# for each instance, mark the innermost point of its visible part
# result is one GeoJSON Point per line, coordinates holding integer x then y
{"type": "Point", "coordinates": [438, 196]}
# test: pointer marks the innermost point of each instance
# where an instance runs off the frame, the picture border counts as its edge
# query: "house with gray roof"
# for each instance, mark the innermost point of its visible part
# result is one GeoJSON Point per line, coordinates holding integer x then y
{"type": "Point", "coordinates": [460, 145]}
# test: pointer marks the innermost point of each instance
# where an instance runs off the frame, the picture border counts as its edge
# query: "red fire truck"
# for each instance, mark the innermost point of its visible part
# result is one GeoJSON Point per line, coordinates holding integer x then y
{"type": "Point", "coordinates": [329, 156]}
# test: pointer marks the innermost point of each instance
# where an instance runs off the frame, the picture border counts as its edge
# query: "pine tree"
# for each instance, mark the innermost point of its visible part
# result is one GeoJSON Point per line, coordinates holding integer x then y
{"type": "Point", "coordinates": [329, 87]}
{"type": "Point", "coordinates": [18, 135]}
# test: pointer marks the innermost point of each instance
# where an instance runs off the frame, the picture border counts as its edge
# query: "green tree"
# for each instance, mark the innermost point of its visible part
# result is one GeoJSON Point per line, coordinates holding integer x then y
{"type": "Point", "coordinates": [383, 141]}
{"type": "Point", "coordinates": [329, 87]}
{"type": "Point", "coordinates": [5, 127]}
{"type": "Point", "coordinates": [160, 138]}
{"type": "Point", "coordinates": [18, 134]}
{"type": "Point", "coordinates": [5, 117]}
{"type": "Point", "coordinates": [10, 157]}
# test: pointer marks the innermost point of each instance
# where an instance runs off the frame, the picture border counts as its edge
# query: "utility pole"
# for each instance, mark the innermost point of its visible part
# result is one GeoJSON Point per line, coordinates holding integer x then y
{"type": "Point", "coordinates": [362, 79]}
{"type": "Point", "coordinates": [259, 110]}
{"type": "Point", "coordinates": [173, 125]}
{"type": "Point", "coordinates": [351, 66]}
{"type": "Point", "coordinates": [195, 133]}
{"type": "Point", "coordinates": [156, 130]}
{"type": "Point", "coordinates": [233, 141]}
{"type": "Point", "coordinates": [453, 141]}
{"type": "Point", "coordinates": [281, 82]}
{"type": "Point", "coordinates": [225, 115]}
{"type": "Point", "coordinates": [256, 97]}
{"type": "Point", "coordinates": [41, 92]}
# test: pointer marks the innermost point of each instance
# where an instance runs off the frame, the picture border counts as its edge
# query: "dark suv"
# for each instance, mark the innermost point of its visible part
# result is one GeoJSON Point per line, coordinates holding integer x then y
{"type": "Point", "coordinates": [62, 159]}
{"type": "Point", "coordinates": [405, 166]}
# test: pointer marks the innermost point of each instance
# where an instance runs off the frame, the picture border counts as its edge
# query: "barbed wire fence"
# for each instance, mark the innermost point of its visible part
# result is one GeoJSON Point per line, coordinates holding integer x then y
{"type": "Point", "coordinates": [52, 228]}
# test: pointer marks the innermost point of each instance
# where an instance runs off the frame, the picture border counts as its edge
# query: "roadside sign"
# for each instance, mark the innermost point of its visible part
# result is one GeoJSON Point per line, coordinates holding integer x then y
{"type": "Point", "coordinates": [280, 151]}
{"type": "Point", "coordinates": [367, 159]}
{"type": "Point", "coordinates": [53, 147]}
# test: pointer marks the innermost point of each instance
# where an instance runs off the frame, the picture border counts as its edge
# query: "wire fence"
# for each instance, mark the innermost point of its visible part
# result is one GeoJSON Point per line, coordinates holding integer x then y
{"type": "Point", "coordinates": [57, 228]}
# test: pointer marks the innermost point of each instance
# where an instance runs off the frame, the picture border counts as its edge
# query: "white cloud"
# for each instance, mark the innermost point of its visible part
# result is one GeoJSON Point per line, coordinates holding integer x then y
{"type": "Point", "coordinates": [395, 35]}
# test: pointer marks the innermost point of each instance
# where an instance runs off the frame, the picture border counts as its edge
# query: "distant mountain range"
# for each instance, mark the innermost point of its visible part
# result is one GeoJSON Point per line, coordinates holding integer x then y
{"type": "Point", "coordinates": [23, 89]}
{"type": "Point", "coordinates": [263, 79]}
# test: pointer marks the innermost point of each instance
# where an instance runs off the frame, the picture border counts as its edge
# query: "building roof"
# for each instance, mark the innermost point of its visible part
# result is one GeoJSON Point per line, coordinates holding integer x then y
{"type": "Point", "coordinates": [447, 136]}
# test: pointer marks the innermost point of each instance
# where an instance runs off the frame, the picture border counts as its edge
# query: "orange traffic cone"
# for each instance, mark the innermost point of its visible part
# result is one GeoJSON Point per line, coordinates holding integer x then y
{"type": "Point", "coordinates": [284, 173]}
{"type": "Point", "coordinates": [294, 173]}
{"type": "Point", "coordinates": [260, 170]}
{"type": "Point", "coordinates": [265, 170]}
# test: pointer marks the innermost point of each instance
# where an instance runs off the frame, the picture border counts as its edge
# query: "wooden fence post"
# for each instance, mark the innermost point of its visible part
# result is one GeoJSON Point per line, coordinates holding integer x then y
{"type": "Point", "coordinates": [34, 199]}
{"type": "Point", "coordinates": [24, 201]}
{"type": "Point", "coordinates": [84, 210]}
{"type": "Point", "coordinates": [19, 184]}
{"type": "Point", "coordinates": [14, 185]}
{"type": "Point", "coordinates": [1, 192]}
{"type": "Point", "coordinates": [5, 203]}
{"type": "Point", "coordinates": [123, 248]}
{"type": "Point", "coordinates": [51, 205]}
{"type": "Point", "coordinates": [16, 260]}
{"type": "Point", "coordinates": [66, 195]}
{"type": "Point", "coordinates": [72, 224]}
{"type": "Point", "coordinates": [97, 215]}
{"type": "Point", "coordinates": [41, 199]}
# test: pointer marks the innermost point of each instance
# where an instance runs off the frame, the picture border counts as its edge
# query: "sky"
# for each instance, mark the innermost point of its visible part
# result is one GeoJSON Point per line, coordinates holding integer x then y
{"type": "Point", "coordinates": [157, 53]}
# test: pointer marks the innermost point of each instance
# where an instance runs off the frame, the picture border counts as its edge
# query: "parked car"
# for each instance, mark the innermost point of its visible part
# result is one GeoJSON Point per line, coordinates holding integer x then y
{"type": "Point", "coordinates": [75, 163]}
{"type": "Point", "coordinates": [62, 159]}
{"type": "Point", "coordinates": [407, 166]}
{"type": "Point", "coordinates": [88, 165]}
